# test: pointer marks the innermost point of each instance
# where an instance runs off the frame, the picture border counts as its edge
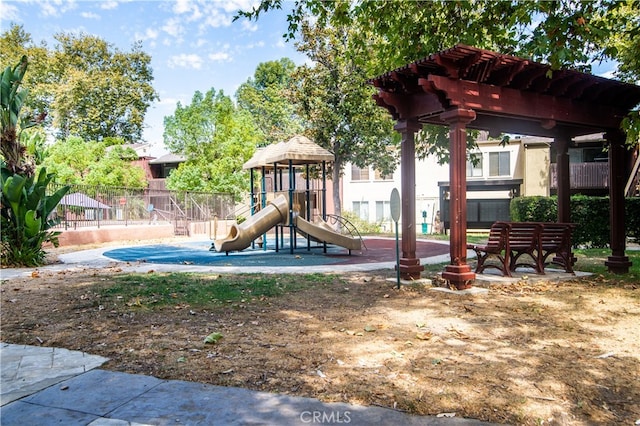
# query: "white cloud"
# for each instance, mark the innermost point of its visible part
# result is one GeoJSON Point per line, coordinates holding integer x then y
{"type": "Point", "coordinates": [183, 7]}
{"type": "Point", "coordinates": [217, 18]}
{"type": "Point", "coordinates": [220, 57]}
{"type": "Point", "coordinates": [257, 45]}
{"type": "Point", "coordinates": [56, 7]}
{"type": "Point", "coordinates": [185, 60]}
{"type": "Point", "coordinates": [149, 34]}
{"type": "Point", "coordinates": [249, 26]}
{"type": "Point", "coordinates": [108, 4]}
{"type": "Point", "coordinates": [90, 15]}
{"type": "Point", "coordinates": [8, 12]}
{"type": "Point", "coordinates": [173, 27]}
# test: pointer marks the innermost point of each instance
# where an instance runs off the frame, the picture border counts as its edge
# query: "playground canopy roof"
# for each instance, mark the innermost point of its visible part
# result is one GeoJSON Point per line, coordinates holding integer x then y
{"type": "Point", "coordinates": [78, 199]}
{"type": "Point", "coordinates": [298, 150]}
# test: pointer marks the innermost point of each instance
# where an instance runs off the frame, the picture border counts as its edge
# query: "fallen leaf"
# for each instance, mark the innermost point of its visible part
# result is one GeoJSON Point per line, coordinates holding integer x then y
{"type": "Point", "coordinates": [35, 274]}
{"type": "Point", "coordinates": [213, 337]}
{"type": "Point", "coordinates": [424, 336]}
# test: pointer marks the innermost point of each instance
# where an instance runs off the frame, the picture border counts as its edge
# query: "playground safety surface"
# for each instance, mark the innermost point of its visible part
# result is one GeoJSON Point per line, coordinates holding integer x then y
{"type": "Point", "coordinates": [375, 250]}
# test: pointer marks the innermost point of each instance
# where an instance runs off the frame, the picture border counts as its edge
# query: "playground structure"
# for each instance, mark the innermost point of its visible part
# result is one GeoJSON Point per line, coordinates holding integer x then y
{"type": "Point", "coordinates": [282, 207]}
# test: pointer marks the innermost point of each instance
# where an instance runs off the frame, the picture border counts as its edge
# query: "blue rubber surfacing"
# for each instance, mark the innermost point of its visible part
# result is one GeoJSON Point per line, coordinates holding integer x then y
{"type": "Point", "coordinates": [197, 253]}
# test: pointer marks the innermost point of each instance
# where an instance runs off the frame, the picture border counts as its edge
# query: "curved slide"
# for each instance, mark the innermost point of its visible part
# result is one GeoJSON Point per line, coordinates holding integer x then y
{"type": "Point", "coordinates": [240, 236]}
{"type": "Point", "coordinates": [324, 233]}
{"type": "Point", "coordinates": [277, 211]}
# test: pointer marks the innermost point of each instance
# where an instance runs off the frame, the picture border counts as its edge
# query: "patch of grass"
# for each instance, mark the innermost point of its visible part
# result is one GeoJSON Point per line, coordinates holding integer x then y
{"type": "Point", "coordinates": [592, 260]}
{"type": "Point", "coordinates": [199, 289]}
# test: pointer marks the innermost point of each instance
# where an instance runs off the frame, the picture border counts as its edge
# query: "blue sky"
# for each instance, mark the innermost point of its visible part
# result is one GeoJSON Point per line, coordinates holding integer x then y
{"type": "Point", "coordinates": [194, 45]}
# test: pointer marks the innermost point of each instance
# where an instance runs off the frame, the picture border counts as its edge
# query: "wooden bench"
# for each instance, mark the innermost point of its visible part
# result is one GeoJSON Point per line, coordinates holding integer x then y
{"type": "Point", "coordinates": [530, 244]}
{"type": "Point", "coordinates": [556, 239]}
{"type": "Point", "coordinates": [497, 247]}
{"type": "Point", "coordinates": [525, 245]}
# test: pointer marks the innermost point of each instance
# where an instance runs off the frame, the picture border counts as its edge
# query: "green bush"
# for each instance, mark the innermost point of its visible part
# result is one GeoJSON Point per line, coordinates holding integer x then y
{"type": "Point", "coordinates": [534, 209]}
{"type": "Point", "coordinates": [590, 214]}
{"type": "Point", "coordinates": [25, 217]}
{"type": "Point", "coordinates": [363, 226]}
{"type": "Point", "coordinates": [632, 218]}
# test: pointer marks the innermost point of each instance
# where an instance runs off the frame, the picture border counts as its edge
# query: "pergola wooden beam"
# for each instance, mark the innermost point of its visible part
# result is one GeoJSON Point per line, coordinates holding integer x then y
{"type": "Point", "coordinates": [465, 87]}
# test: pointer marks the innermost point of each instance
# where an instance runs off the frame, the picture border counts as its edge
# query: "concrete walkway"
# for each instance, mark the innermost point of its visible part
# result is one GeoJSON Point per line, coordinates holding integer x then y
{"type": "Point", "coordinates": [45, 386]}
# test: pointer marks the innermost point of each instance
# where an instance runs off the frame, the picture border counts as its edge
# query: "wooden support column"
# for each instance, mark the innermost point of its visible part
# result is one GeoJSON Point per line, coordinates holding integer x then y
{"type": "Point", "coordinates": [617, 263]}
{"type": "Point", "coordinates": [410, 267]}
{"type": "Point", "coordinates": [564, 179]}
{"type": "Point", "coordinates": [458, 273]}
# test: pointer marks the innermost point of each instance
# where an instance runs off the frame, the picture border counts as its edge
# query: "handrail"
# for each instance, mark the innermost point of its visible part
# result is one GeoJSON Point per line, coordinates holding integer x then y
{"type": "Point", "coordinates": [633, 177]}
{"type": "Point", "coordinates": [238, 212]}
{"type": "Point", "coordinates": [350, 227]}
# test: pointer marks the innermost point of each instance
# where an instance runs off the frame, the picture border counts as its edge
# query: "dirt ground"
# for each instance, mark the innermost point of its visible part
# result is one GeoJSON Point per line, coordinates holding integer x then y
{"type": "Point", "coordinates": [551, 353]}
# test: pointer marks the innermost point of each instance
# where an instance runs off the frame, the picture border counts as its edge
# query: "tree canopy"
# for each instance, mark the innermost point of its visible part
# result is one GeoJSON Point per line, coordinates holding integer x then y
{"type": "Point", "coordinates": [88, 87]}
{"type": "Point", "coordinates": [216, 138]}
{"type": "Point", "coordinates": [76, 161]}
{"type": "Point", "coordinates": [336, 101]}
{"type": "Point", "coordinates": [267, 96]}
{"type": "Point", "coordinates": [565, 33]}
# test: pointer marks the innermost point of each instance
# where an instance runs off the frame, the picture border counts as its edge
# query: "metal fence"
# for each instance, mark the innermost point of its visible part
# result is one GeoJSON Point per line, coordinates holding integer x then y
{"type": "Point", "coordinates": [96, 206]}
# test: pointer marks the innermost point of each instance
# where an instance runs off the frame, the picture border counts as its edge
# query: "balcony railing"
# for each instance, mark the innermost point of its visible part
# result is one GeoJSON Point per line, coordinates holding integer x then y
{"type": "Point", "coordinates": [584, 175]}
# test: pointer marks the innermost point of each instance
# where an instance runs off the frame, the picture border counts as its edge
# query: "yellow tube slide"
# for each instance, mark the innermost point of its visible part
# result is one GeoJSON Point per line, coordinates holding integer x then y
{"type": "Point", "coordinates": [240, 236]}
{"type": "Point", "coordinates": [323, 232]}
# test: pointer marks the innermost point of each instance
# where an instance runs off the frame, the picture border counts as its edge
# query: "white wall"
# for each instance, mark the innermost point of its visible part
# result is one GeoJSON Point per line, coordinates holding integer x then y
{"type": "Point", "coordinates": [428, 174]}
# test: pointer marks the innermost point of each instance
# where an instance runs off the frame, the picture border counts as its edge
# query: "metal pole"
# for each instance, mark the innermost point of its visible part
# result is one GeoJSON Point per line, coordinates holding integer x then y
{"type": "Point", "coordinates": [397, 257]}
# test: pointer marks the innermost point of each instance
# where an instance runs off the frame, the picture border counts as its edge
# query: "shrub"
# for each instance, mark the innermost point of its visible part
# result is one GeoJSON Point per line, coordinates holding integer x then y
{"type": "Point", "coordinates": [590, 214]}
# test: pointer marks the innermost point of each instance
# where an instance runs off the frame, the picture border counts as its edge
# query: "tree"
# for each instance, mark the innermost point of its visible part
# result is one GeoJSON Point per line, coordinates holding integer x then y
{"type": "Point", "coordinates": [25, 206]}
{"type": "Point", "coordinates": [336, 101]}
{"type": "Point", "coordinates": [92, 89]}
{"type": "Point", "coordinates": [565, 33]}
{"type": "Point", "coordinates": [16, 43]}
{"type": "Point", "coordinates": [216, 139]}
{"type": "Point", "coordinates": [75, 161]}
{"type": "Point", "coordinates": [267, 97]}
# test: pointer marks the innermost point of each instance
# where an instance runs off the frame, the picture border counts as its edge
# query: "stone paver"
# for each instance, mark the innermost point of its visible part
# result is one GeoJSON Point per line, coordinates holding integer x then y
{"type": "Point", "coordinates": [28, 369]}
{"type": "Point", "coordinates": [105, 398]}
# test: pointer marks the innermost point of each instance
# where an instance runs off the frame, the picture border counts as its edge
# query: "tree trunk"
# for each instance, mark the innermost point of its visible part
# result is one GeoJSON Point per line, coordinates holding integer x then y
{"type": "Point", "coordinates": [335, 182]}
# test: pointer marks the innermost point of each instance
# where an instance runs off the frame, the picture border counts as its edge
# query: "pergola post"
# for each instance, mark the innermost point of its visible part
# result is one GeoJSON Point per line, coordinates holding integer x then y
{"type": "Point", "coordinates": [410, 267]}
{"type": "Point", "coordinates": [563, 176]}
{"type": "Point", "coordinates": [617, 263]}
{"type": "Point", "coordinates": [458, 273]}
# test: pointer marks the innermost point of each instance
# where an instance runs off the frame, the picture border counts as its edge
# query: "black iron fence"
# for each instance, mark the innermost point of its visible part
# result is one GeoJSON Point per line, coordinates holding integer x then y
{"type": "Point", "coordinates": [96, 206]}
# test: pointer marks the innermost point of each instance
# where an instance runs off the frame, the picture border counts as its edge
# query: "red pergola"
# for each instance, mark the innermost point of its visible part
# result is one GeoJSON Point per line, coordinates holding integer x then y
{"type": "Point", "coordinates": [469, 88]}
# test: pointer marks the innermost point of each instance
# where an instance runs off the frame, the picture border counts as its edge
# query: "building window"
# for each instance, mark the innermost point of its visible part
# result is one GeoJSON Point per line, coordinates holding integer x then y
{"type": "Point", "coordinates": [377, 175]}
{"type": "Point", "coordinates": [474, 170]}
{"type": "Point", "coordinates": [499, 163]}
{"type": "Point", "coordinates": [383, 211]}
{"type": "Point", "coordinates": [361, 209]}
{"type": "Point", "coordinates": [359, 174]}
